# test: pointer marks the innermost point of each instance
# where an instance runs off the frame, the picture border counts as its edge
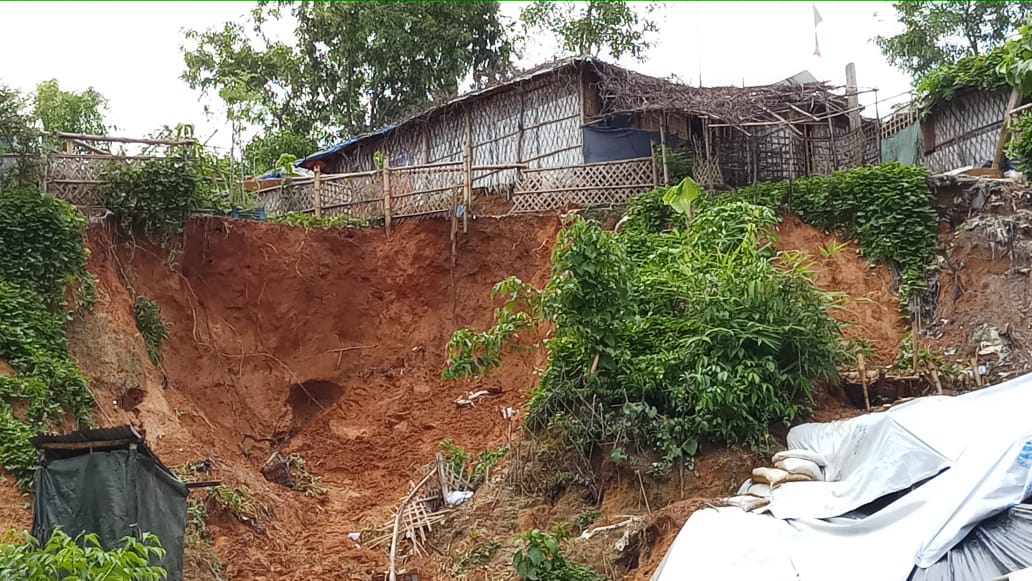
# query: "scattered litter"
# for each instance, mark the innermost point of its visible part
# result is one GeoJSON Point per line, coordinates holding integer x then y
{"type": "Point", "coordinates": [950, 352]}
{"type": "Point", "coordinates": [592, 532]}
{"type": "Point", "coordinates": [991, 350]}
{"type": "Point", "coordinates": [457, 497]}
{"type": "Point", "coordinates": [470, 399]}
{"type": "Point", "coordinates": [508, 413]}
{"type": "Point", "coordinates": [356, 538]}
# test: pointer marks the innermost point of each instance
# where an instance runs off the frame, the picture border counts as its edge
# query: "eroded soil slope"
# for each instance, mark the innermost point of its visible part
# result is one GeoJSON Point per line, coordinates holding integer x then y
{"type": "Point", "coordinates": [360, 321]}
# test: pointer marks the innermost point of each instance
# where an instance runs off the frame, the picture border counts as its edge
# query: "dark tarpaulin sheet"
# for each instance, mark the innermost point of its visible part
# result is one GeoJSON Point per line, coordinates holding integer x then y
{"type": "Point", "coordinates": [113, 493]}
{"type": "Point", "coordinates": [997, 546]}
{"type": "Point", "coordinates": [615, 143]}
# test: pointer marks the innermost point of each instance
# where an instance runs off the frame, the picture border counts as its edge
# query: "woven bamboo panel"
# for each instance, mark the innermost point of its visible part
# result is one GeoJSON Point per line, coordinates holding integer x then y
{"type": "Point", "coordinates": [423, 191]}
{"type": "Point", "coordinates": [601, 184]}
{"type": "Point", "coordinates": [74, 178]}
{"type": "Point", "coordinates": [966, 130]}
{"type": "Point", "coordinates": [360, 196]}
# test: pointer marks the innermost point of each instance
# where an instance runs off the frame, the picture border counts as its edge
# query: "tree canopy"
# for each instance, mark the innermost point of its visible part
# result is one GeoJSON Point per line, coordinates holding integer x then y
{"type": "Point", "coordinates": [593, 28]}
{"type": "Point", "coordinates": [937, 33]}
{"type": "Point", "coordinates": [350, 66]}
{"type": "Point", "coordinates": [69, 111]}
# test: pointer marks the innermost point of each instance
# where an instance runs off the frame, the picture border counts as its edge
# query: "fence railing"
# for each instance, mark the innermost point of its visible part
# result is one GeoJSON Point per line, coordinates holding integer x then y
{"type": "Point", "coordinates": [446, 189]}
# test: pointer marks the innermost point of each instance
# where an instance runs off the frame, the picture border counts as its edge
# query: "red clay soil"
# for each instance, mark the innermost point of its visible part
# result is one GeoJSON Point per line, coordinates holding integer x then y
{"type": "Point", "coordinates": [871, 311]}
{"type": "Point", "coordinates": [254, 310]}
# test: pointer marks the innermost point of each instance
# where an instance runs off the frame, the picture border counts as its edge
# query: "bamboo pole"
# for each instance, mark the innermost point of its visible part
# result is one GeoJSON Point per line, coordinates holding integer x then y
{"type": "Point", "coordinates": [467, 189]}
{"type": "Point", "coordinates": [386, 195]}
{"type": "Point", "coordinates": [317, 192]}
{"type": "Point", "coordinates": [392, 572]}
{"type": "Point", "coordinates": [1001, 141]}
{"type": "Point", "coordinates": [662, 146]}
{"type": "Point", "coordinates": [863, 380]}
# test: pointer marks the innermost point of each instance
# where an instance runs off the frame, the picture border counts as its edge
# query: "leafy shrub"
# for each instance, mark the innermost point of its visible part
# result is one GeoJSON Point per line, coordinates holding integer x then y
{"type": "Point", "coordinates": [473, 469]}
{"type": "Point", "coordinates": [664, 340]}
{"type": "Point", "coordinates": [476, 557]}
{"type": "Point", "coordinates": [304, 481]}
{"type": "Point", "coordinates": [43, 252]}
{"type": "Point", "coordinates": [150, 325]}
{"type": "Point", "coordinates": [1020, 147]}
{"type": "Point", "coordinates": [539, 558]}
{"type": "Point", "coordinates": [980, 72]}
{"type": "Point", "coordinates": [886, 208]}
{"type": "Point", "coordinates": [313, 221]}
{"type": "Point", "coordinates": [43, 249]}
{"type": "Point", "coordinates": [62, 557]}
{"type": "Point", "coordinates": [154, 197]}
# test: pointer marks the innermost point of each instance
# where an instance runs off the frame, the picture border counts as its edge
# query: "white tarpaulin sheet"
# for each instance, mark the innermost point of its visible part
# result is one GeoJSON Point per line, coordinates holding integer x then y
{"type": "Point", "coordinates": [976, 449]}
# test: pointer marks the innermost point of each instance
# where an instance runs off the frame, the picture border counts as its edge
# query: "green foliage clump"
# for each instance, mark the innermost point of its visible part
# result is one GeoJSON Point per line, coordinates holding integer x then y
{"type": "Point", "coordinates": [473, 469]}
{"type": "Point", "coordinates": [476, 557]}
{"type": "Point", "coordinates": [304, 481]}
{"type": "Point", "coordinates": [237, 501]}
{"type": "Point", "coordinates": [42, 243]}
{"type": "Point", "coordinates": [886, 208]}
{"type": "Point", "coordinates": [44, 254]}
{"type": "Point", "coordinates": [313, 221]}
{"type": "Point", "coordinates": [22, 558]}
{"type": "Point", "coordinates": [538, 557]}
{"type": "Point", "coordinates": [150, 325]}
{"type": "Point", "coordinates": [1020, 147]}
{"type": "Point", "coordinates": [154, 197]}
{"type": "Point", "coordinates": [979, 72]}
{"type": "Point", "coordinates": [665, 338]}
{"type": "Point", "coordinates": [263, 152]}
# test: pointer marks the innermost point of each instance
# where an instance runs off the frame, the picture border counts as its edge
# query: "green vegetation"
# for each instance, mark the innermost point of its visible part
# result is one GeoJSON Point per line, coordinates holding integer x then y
{"type": "Point", "coordinates": [473, 469]}
{"type": "Point", "coordinates": [154, 197]}
{"type": "Point", "coordinates": [478, 556]}
{"type": "Point", "coordinates": [887, 209]}
{"type": "Point", "coordinates": [664, 339]}
{"type": "Point", "coordinates": [313, 221]}
{"type": "Point", "coordinates": [237, 501]}
{"type": "Point", "coordinates": [979, 71]}
{"type": "Point", "coordinates": [68, 111]}
{"type": "Point", "coordinates": [263, 152]}
{"type": "Point", "coordinates": [1020, 146]}
{"type": "Point", "coordinates": [304, 481]}
{"type": "Point", "coordinates": [150, 325]}
{"type": "Point", "coordinates": [539, 558]}
{"type": "Point", "coordinates": [22, 558]}
{"type": "Point", "coordinates": [43, 255]}
{"type": "Point", "coordinates": [593, 28]}
{"type": "Point", "coordinates": [936, 32]}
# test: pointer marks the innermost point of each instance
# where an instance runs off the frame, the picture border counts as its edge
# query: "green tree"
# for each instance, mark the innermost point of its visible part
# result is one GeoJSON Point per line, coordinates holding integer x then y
{"type": "Point", "coordinates": [18, 134]}
{"type": "Point", "coordinates": [936, 33]}
{"type": "Point", "coordinates": [350, 66]}
{"type": "Point", "coordinates": [263, 152]}
{"type": "Point", "coordinates": [68, 111]}
{"type": "Point", "coordinates": [22, 558]}
{"type": "Point", "coordinates": [593, 28]}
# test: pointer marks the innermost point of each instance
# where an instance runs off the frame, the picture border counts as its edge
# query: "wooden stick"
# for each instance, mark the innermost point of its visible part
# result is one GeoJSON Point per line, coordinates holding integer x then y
{"type": "Point", "coordinates": [643, 495]}
{"type": "Point", "coordinates": [863, 380]}
{"type": "Point", "coordinates": [935, 380]}
{"type": "Point", "coordinates": [317, 192]}
{"type": "Point", "coordinates": [662, 147]}
{"type": "Point", "coordinates": [392, 572]}
{"type": "Point", "coordinates": [111, 138]}
{"type": "Point", "coordinates": [1001, 141]}
{"type": "Point", "coordinates": [974, 370]}
{"type": "Point", "coordinates": [386, 195]}
{"type": "Point", "coordinates": [445, 489]}
{"type": "Point", "coordinates": [342, 349]}
{"type": "Point", "coordinates": [467, 194]}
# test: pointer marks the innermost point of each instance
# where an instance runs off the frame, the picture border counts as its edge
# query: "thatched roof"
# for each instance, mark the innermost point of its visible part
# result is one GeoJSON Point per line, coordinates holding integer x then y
{"type": "Point", "coordinates": [625, 91]}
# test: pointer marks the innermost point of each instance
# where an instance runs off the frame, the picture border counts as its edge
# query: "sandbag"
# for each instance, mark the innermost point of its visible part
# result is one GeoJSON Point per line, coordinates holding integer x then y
{"type": "Point", "coordinates": [770, 476]}
{"type": "Point", "coordinates": [744, 488]}
{"type": "Point", "coordinates": [800, 466]}
{"type": "Point", "coordinates": [747, 502]}
{"type": "Point", "coordinates": [800, 454]}
{"type": "Point", "coordinates": [759, 489]}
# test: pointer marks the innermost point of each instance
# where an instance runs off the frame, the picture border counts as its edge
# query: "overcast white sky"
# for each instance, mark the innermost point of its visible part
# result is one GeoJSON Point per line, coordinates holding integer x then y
{"type": "Point", "coordinates": [129, 51]}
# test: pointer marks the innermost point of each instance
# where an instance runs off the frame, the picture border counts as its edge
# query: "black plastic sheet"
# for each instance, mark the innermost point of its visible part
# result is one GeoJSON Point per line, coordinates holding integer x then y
{"type": "Point", "coordinates": [998, 545]}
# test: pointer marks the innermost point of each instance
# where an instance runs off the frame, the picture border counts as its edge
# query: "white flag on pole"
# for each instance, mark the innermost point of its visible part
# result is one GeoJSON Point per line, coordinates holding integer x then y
{"type": "Point", "coordinates": [816, 20]}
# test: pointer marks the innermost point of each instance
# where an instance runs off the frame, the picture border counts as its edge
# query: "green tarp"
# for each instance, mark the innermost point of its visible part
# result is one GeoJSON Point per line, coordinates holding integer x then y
{"type": "Point", "coordinates": [114, 492]}
{"type": "Point", "coordinates": [903, 146]}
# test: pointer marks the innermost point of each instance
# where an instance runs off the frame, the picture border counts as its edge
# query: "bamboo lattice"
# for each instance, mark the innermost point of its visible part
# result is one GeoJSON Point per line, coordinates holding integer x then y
{"type": "Point", "coordinates": [598, 184]}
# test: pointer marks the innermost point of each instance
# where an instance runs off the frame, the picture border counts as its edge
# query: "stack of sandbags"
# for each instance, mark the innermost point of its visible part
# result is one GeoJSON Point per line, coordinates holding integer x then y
{"type": "Point", "coordinates": [789, 466]}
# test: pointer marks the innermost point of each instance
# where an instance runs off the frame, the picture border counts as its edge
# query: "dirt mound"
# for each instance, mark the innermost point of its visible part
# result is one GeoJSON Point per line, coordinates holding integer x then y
{"type": "Point", "coordinates": [328, 344]}
{"type": "Point", "coordinates": [871, 310]}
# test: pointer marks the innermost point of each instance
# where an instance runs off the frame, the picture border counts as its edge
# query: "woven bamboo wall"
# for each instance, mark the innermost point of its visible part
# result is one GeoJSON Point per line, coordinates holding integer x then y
{"type": "Point", "coordinates": [965, 130]}
{"type": "Point", "coordinates": [588, 185]}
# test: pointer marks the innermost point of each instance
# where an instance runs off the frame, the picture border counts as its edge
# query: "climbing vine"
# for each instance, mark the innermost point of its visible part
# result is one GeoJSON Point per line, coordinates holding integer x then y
{"type": "Point", "coordinates": [313, 221]}
{"type": "Point", "coordinates": [150, 325]}
{"type": "Point", "coordinates": [666, 337]}
{"type": "Point", "coordinates": [153, 198]}
{"type": "Point", "coordinates": [43, 256]}
{"type": "Point", "coordinates": [886, 208]}
{"type": "Point", "coordinates": [1020, 147]}
{"type": "Point", "coordinates": [980, 72]}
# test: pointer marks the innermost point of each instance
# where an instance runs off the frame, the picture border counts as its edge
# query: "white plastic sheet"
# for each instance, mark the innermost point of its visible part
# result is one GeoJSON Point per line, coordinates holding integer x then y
{"type": "Point", "coordinates": [976, 449]}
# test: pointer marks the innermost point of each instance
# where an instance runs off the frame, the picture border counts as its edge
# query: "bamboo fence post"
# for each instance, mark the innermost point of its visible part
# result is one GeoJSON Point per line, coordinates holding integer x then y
{"type": "Point", "coordinates": [863, 380]}
{"type": "Point", "coordinates": [317, 192]}
{"type": "Point", "coordinates": [662, 146]}
{"type": "Point", "coordinates": [386, 195]}
{"type": "Point", "coordinates": [655, 170]}
{"type": "Point", "coordinates": [915, 325]}
{"type": "Point", "coordinates": [1001, 142]}
{"type": "Point", "coordinates": [467, 171]}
